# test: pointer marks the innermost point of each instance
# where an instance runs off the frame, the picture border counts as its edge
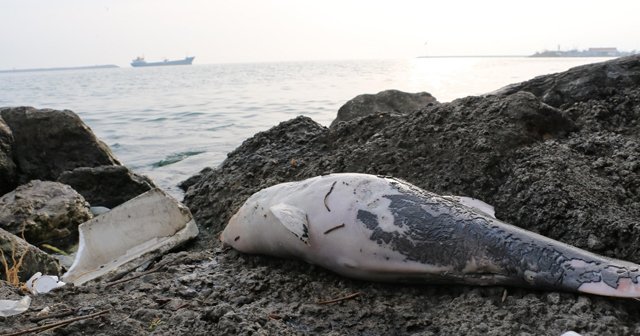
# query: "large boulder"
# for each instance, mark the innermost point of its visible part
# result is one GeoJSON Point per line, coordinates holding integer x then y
{"type": "Point", "coordinates": [106, 186]}
{"type": "Point", "coordinates": [8, 177]}
{"type": "Point", "coordinates": [43, 144]}
{"type": "Point", "coordinates": [559, 155]}
{"type": "Point", "coordinates": [48, 142]}
{"type": "Point", "coordinates": [461, 143]}
{"type": "Point", "coordinates": [388, 101]}
{"type": "Point", "coordinates": [595, 81]}
{"type": "Point", "coordinates": [44, 212]}
{"type": "Point", "coordinates": [30, 259]}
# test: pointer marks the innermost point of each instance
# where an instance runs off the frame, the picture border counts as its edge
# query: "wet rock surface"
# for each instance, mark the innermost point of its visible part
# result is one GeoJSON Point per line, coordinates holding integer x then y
{"type": "Point", "coordinates": [44, 212]}
{"type": "Point", "coordinates": [566, 168]}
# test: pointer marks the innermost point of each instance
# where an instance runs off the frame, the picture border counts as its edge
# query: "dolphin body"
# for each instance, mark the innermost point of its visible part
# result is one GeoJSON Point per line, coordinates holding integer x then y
{"type": "Point", "coordinates": [384, 229]}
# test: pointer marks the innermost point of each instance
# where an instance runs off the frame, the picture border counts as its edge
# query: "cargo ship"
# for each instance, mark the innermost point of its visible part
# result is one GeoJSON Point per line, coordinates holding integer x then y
{"type": "Point", "coordinates": [140, 62]}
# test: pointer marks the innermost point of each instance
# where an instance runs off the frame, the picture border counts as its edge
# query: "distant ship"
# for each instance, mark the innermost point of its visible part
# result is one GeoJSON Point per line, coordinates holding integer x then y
{"type": "Point", "coordinates": [140, 62]}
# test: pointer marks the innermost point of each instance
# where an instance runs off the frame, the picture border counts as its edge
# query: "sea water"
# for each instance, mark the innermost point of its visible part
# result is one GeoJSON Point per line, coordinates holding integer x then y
{"type": "Point", "coordinates": [170, 122]}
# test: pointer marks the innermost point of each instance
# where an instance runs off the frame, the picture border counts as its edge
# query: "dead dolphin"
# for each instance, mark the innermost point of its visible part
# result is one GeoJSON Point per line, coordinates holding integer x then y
{"type": "Point", "coordinates": [384, 229]}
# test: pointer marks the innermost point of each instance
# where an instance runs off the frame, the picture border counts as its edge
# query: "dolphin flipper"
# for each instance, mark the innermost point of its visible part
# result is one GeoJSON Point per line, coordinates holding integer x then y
{"type": "Point", "coordinates": [292, 218]}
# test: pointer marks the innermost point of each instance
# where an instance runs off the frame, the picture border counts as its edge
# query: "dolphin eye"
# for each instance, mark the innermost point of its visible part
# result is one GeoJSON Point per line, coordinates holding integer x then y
{"type": "Point", "coordinates": [236, 238]}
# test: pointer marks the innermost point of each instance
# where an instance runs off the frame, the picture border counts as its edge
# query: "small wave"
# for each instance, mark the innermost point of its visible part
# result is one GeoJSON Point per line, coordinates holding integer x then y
{"type": "Point", "coordinates": [221, 127]}
{"type": "Point", "coordinates": [190, 114]}
{"type": "Point", "coordinates": [173, 158]}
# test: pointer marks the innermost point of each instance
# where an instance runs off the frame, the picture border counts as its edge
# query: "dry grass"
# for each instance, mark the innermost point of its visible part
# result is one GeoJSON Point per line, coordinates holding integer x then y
{"type": "Point", "coordinates": [11, 273]}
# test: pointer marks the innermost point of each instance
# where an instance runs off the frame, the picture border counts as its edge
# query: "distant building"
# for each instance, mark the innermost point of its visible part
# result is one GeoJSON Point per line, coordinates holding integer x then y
{"type": "Point", "coordinates": [604, 52]}
{"type": "Point", "coordinates": [591, 52]}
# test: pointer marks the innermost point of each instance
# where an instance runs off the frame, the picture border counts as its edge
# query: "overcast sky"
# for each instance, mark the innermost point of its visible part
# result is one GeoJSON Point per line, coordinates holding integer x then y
{"type": "Point", "coordinates": [48, 33]}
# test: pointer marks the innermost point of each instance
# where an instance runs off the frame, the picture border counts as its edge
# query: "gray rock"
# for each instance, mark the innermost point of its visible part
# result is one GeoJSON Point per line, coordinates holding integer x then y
{"type": "Point", "coordinates": [461, 143]}
{"type": "Point", "coordinates": [48, 142]}
{"type": "Point", "coordinates": [106, 186]}
{"type": "Point", "coordinates": [56, 145]}
{"type": "Point", "coordinates": [582, 83]}
{"type": "Point", "coordinates": [557, 158]}
{"type": "Point", "coordinates": [8, 177]}
{"type": "Point", "coordinates": [45, 212]}
{"type": "Point", "coordinates": [388, 101]}
{"type": "Point", "coordinates": [35, 260]}
{"type": "Point", "coordinates": [7, 291]}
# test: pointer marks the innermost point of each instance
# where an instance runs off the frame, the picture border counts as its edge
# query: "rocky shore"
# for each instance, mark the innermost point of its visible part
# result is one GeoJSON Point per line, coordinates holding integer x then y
{"type": "Point", "coordinates": [52, 170]}
{"type": "Point", "coordinates": [558, 155]}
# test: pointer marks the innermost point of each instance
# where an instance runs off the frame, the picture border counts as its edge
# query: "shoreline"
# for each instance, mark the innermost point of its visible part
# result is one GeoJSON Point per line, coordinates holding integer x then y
{"type": "Point", "coordinates": [89, 67]}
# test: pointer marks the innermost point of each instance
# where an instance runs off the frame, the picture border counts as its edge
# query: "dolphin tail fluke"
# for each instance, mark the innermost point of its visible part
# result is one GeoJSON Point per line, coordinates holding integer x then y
{"type": "Point", "coordinates": [605, 276]}
{"type": "Point", "coordinates": [626, 288]}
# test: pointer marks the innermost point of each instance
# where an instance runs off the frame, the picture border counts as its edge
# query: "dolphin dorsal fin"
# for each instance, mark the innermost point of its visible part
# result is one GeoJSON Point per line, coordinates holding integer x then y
{"type": "Point", "coordinates": [475, 204]}
{"type": "Point", "coordinates": [294, 219]}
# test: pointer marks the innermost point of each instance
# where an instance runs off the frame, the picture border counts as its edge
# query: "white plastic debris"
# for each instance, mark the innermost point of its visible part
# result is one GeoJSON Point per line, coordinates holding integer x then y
{"type": "Point", "coordinates": [570, 333]}
{"type": "Point", "coordinates": [14, 307]}
{"type": "Point", "coordinates": [40, 284]}
{"type": "Point", "coordinates": [65, 260]}
{"type": "Point", "coordinates": [44, 312]}
{"type": "Point", "coordinates": [122, 239]}
{"type": "Point", "coordinates": [98, 210]}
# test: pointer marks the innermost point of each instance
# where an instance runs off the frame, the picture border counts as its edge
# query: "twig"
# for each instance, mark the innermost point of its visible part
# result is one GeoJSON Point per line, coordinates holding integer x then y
{"type": "Point", "coordinates": [155, 269]}
{"type": "Point", "coordinates": [350, 296]}
{"type": "Point", "coordinates": [56, 324]}
{"type": "Point", "coordinates": [63, 313]}
{"type": "Point", "coordinates": [51, 329]}
{"type": "Point", "coordinates": [186, 304]}
{"type": "Point", "coordinates": [334, 228]}
{"type": "Point", "coordinates": [327, 195]}
{"type": "Point", "coordinates": [274, 316]}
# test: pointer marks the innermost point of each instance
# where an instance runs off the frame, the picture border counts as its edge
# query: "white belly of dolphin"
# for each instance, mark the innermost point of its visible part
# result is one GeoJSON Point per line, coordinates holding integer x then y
{"type": "Point", "coordinates": [384, 229]}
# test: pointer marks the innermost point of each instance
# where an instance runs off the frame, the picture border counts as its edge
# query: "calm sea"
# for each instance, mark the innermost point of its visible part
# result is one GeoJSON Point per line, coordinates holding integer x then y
{"type": "Point", "coordinates": [170, 122]}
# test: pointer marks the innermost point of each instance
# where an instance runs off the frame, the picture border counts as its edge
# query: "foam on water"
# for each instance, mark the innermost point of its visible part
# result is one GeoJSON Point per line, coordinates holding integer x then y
{"type": "Point", "coordinates": [171, 122]}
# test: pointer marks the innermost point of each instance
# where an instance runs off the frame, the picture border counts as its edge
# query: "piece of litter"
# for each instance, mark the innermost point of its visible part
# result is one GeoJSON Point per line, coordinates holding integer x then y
{"type": "Point", "coordinates": [570, 333]}
{"type": "Point", "coordinates": [98, 210]}
{"type": "Point", "coordinates": [45, 311]}
{"type": "Point", "coordinates": [65, 260]}
{"type": "Point", "coordinates": [139, 230]}
{"type": "Point", "coordinates": [40, 284]}
{"type": "Point", "coordinates": [14, 307]}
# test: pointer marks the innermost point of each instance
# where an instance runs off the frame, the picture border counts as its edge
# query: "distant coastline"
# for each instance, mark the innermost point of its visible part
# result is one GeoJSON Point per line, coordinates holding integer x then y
{"type": "Point", "coordinates": [591, 52]}
{"type": "Point", "coordinates": [472, 56]}
{"type": "Point", "coordinates": [106, 66]}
